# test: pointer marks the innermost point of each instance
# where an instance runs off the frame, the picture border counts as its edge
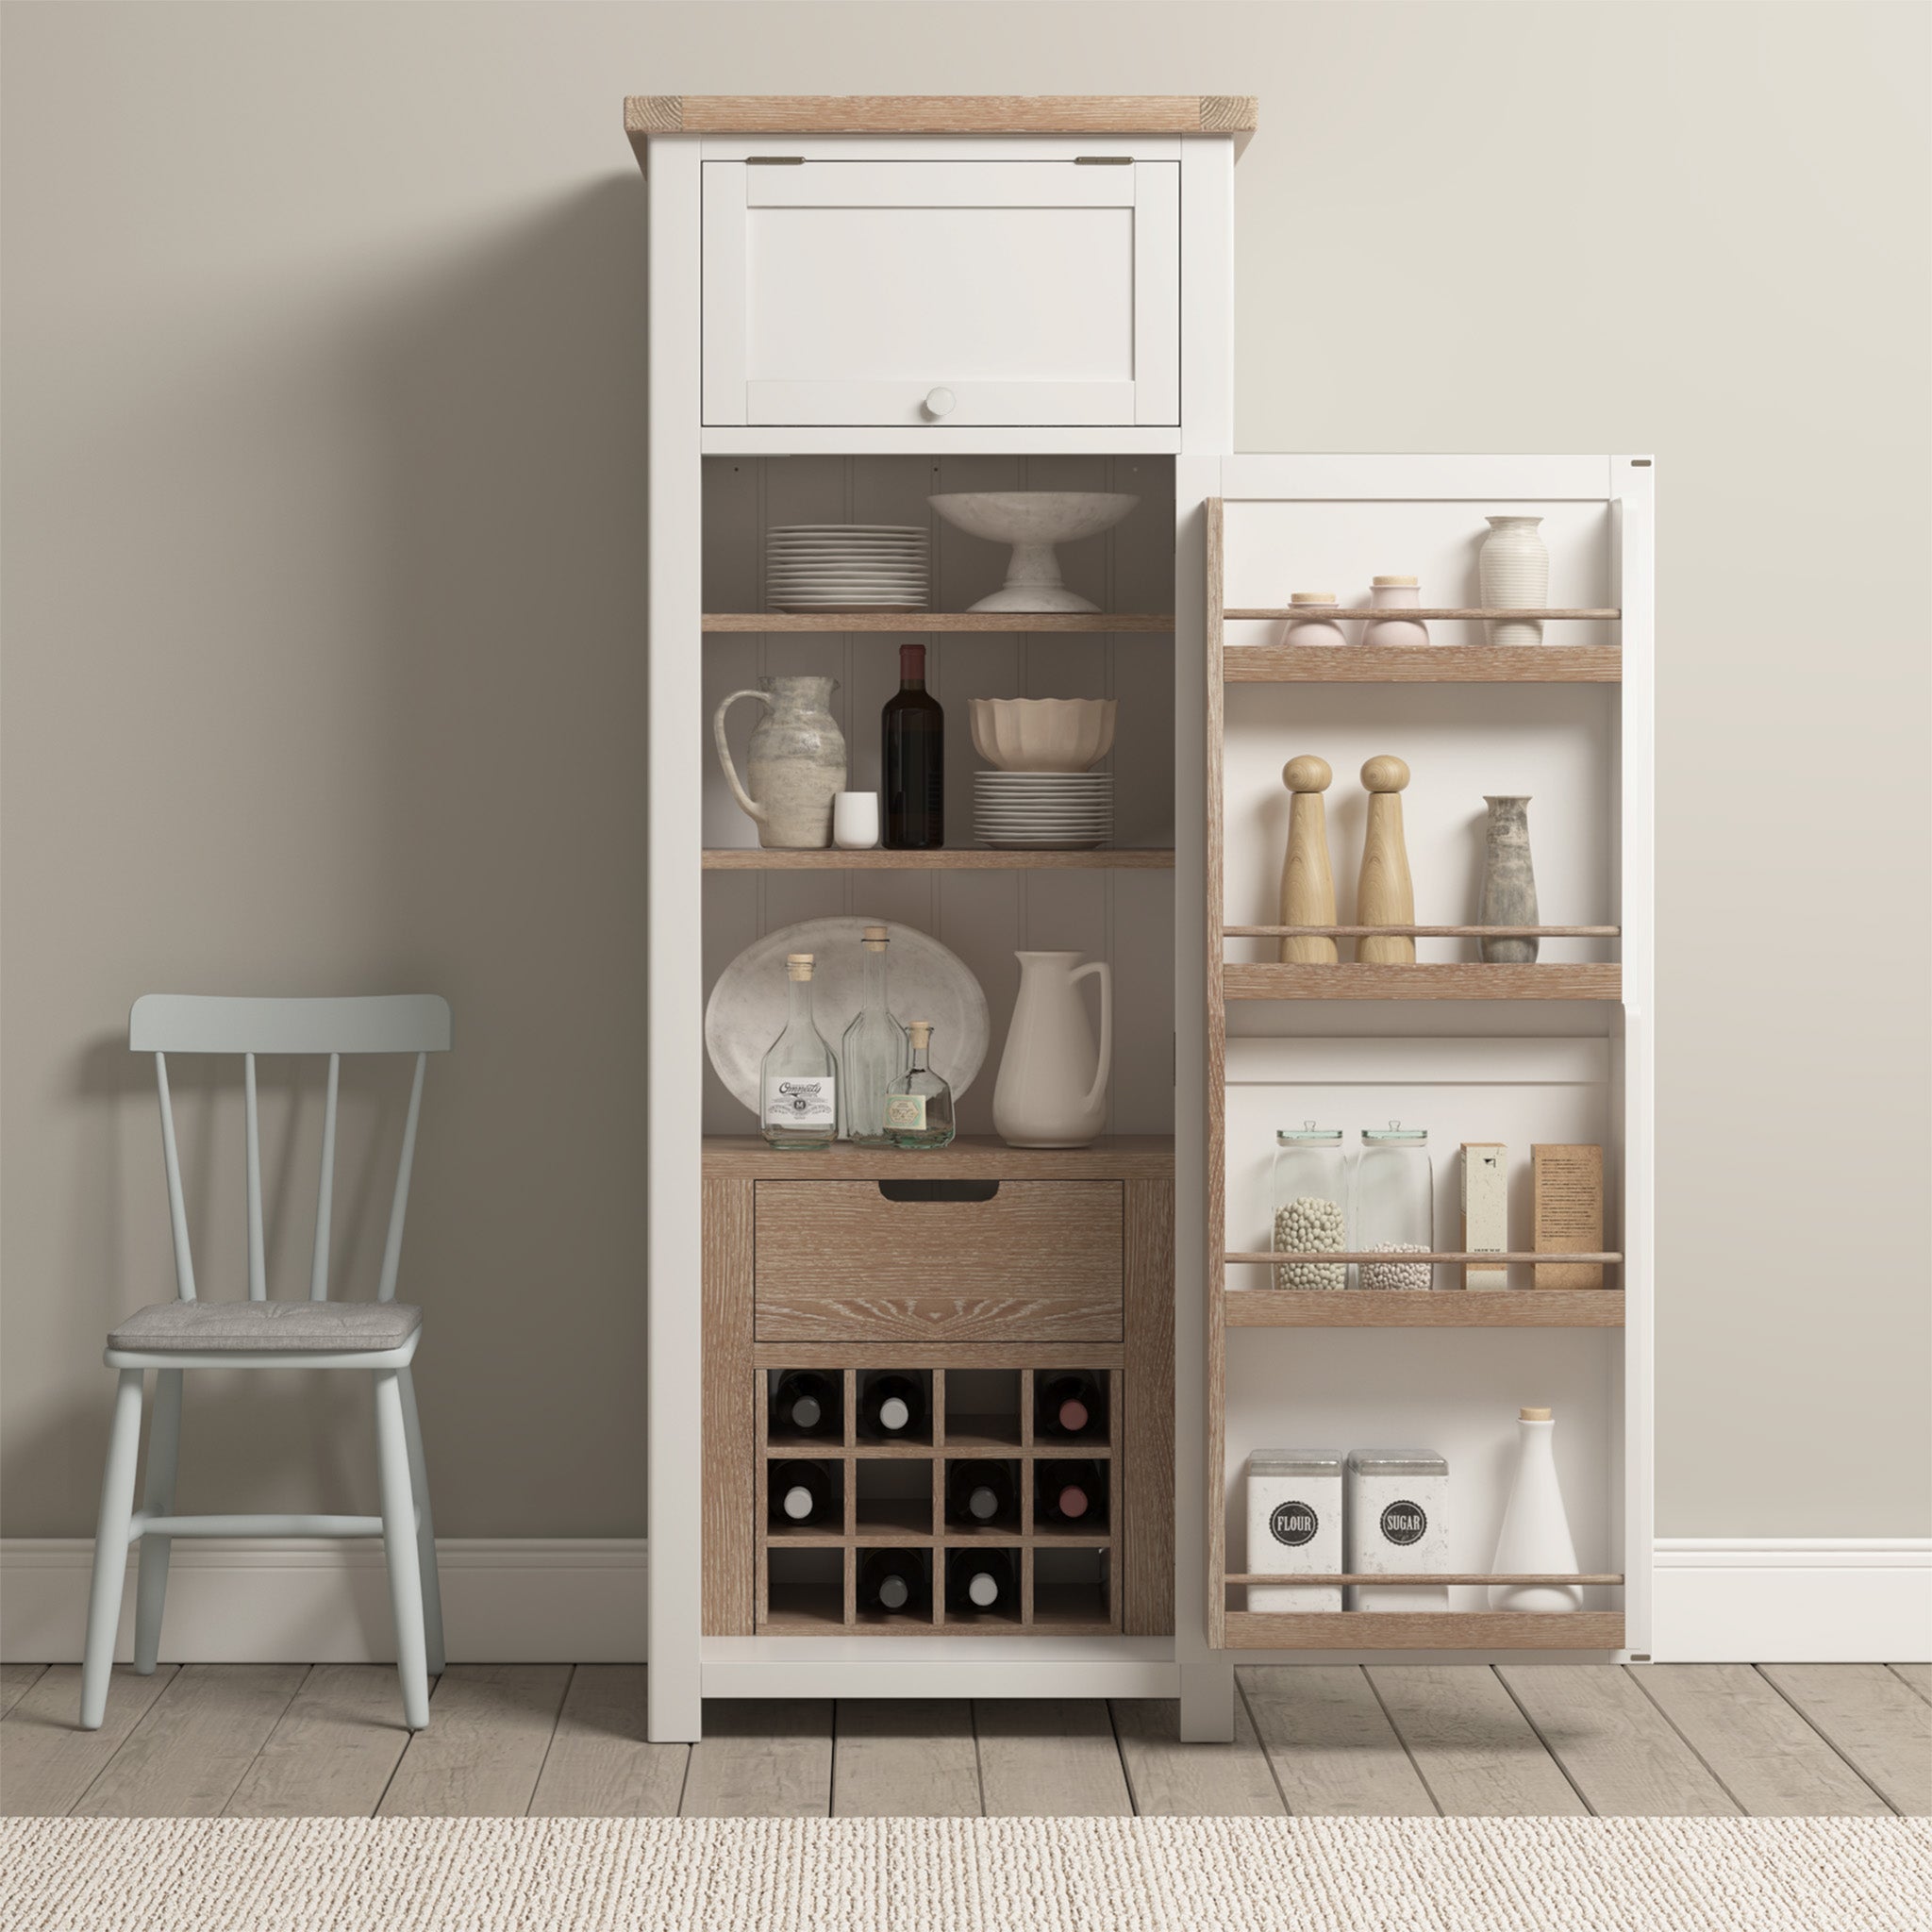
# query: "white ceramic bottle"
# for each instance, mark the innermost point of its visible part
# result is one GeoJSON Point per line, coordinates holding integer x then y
{"type": "Point", "coordinates": [1536, 1532]}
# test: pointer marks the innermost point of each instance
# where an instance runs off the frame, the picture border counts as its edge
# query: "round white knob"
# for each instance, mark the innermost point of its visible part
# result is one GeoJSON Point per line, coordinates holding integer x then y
{"type": "Point", "coordinates": [939, 402]}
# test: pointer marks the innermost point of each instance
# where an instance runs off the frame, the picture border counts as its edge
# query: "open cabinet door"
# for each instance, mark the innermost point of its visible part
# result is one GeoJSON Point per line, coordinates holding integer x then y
{"type": "Point", "coordinates": [1432, 1021]}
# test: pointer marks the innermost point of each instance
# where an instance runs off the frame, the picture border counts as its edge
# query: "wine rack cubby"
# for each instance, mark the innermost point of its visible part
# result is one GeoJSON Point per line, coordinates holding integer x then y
{"type": "Point", "coordinates": [890, 1493]}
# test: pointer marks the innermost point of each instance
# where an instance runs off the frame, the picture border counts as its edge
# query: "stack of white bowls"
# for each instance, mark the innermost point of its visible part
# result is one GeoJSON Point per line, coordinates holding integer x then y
{"type": "Point", "coordinates": [847, 567]}
{"type": "Point", "coordinates": [1040, 795]}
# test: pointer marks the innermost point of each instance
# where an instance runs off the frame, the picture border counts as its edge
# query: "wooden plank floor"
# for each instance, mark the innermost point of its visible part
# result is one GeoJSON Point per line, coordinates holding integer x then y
{"type": "Point", "coordinates": [1651, 1740]}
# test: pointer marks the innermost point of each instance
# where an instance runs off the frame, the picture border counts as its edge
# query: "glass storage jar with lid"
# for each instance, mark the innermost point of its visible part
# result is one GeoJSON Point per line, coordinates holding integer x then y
{"type": "Point", "coordinates": [1310, 1207]}
{"type": "Point", "coordinates": [1395, 1205]}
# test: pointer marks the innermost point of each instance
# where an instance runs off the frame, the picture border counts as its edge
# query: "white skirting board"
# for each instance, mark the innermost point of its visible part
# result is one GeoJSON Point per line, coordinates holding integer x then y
{"type": "Point", "coordinates": [1792, 1600]}
{"type": "Point", "coordinates": [540, 1600]}
{"type": "Point", "coordinates": [306, 1600]}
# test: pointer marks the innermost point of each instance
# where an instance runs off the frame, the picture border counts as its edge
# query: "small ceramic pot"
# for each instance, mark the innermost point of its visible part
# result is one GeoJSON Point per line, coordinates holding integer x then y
{"type": "Point", "coordinates": [1396, 594]}
{"type": "Point", "coordinates": [1316, 627]}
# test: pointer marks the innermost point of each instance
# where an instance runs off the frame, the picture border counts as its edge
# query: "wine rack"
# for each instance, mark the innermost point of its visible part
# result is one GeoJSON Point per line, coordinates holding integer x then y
{"type": "Point", "coordinates": [891, 1494]}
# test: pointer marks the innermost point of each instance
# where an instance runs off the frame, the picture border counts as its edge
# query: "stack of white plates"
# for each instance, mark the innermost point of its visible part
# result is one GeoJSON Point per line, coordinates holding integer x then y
{"type": "Point", "coordinates": [1061, 812]}
{"type": "Point", "coordinates": [846, 567]}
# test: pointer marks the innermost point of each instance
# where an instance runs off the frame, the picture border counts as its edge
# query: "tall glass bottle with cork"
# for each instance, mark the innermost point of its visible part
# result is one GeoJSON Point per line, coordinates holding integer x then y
{"type": "Point", "coordinates": [798, 1083]}
{"type": "Point", "coordinates": [873, 1053]}
{"type": "Point", "coordinates": [919, 1108]}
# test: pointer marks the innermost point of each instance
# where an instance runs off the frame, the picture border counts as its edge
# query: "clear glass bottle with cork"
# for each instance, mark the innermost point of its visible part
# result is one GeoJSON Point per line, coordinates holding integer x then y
{"type": "Point", "coordinates": [873, 1053]}
{"type": "Point", "coordinates": [919, 1104]}
{"type": "Point", "coordinates": [798, 1082]}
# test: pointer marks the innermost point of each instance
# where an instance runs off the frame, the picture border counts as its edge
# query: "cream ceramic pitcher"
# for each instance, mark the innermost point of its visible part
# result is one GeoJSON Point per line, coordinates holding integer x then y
{"type": "Point", "coordinates": [796, 757]}
{"type": "Point", "coordinates": [1052, 1090]}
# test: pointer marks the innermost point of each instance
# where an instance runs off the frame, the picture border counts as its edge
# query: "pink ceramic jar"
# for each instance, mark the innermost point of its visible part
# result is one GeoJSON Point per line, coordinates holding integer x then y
{"type": "Point", "coordinates": [1396, 594]}
{"type": "Point", "coordinates": [1316, 627]}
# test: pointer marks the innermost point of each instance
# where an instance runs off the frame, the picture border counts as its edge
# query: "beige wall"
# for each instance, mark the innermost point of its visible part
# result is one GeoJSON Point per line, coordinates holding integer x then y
{"type": "Point", "coordinates": [325, 656]}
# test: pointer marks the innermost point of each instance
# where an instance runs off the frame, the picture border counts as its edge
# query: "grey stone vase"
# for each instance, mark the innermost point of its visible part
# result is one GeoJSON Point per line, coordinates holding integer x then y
{"type": "Point", "coordinates": [796, 759]}
{"type": "Point", "coordinates": [1508, 881]}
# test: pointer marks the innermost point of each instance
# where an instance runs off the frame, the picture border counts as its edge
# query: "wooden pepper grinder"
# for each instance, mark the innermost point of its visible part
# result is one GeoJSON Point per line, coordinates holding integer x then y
{"type": "Point", "coordinates": [1307, 884]}
{"type": "Point", "coordinates": [1383, 895]}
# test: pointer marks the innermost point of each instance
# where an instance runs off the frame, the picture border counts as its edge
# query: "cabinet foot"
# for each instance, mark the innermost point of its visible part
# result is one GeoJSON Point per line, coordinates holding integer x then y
{"type": "Point", "coordinates": [1207, 1696]}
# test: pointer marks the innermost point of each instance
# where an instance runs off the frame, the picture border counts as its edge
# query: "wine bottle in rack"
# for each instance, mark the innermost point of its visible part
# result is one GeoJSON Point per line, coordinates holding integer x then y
{"type": "Point", "coordinates": [1073, 1493]}
{"type": "Point", "coordinates": [891, 1407]}
{"type": "Point", "coordinates": [1070, 1405]}
{"type": "Point", "coordinates": [982, 1580]}
{"type": "Point", "coordinates": [892, 1583]}
{"type": "Point", "coordinates": [801, 1494]}
{"type": "Point", "coordinates": [806, 1403]}
{"type": "Point", "coordinates": [913, 760]}
{"type": "Point", "coordinates": [981, 1492]}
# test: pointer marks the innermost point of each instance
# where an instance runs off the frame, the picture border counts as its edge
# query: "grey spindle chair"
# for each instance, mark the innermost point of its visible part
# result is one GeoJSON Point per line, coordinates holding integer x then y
{"type": "Point", "coordinates": [173, 1337]}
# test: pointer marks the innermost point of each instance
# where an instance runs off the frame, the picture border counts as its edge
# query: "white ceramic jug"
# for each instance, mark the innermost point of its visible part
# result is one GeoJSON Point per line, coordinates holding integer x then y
{"type": "Point", "coordinates": [1052, 1090]}
{"type": "Point", "coordinates": [1536, 1532]}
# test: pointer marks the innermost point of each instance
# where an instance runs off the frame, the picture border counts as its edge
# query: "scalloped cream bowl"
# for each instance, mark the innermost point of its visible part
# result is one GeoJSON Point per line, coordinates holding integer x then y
{"type": "Point", "coordinates": [1043, 734]}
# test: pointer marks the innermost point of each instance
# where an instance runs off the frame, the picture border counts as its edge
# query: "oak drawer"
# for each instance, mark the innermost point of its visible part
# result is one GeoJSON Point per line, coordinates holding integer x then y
{"type": "Point", "coordinates": [843, 1261]}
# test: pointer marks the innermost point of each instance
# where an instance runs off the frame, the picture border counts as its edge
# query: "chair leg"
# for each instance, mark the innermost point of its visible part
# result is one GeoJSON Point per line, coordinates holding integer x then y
{"type": "Point", "coordinates": [399, 1548]}
{"type": "Point", "coordinates": [151, 1584]}
{"type": "Point", "coordinates": [425, 1530]}
{"type": "Point", "coordinates": [110, 1551]}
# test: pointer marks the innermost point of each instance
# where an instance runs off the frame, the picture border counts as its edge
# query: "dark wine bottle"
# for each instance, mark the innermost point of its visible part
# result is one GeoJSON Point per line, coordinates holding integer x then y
{"type": "Point", "coordinates": [806, 1403]}
{"type": "Point", "coordinates": [1071, 1405]}
{"type": "Point", "coordinates": [800, 1494]}
{"type": "Point", "coordinates": [892, 1583]}
{"type": "Point", "coordinates": [1070, 1492]}
{"type": "Point", "coordinates": [891, 1407]}
{"type": "Point", "coordinates": [980, 1492]}
{"type": "Point", "coordinates": [913, 760]}
{"type": "Point", "coordinates": [982, 1580]}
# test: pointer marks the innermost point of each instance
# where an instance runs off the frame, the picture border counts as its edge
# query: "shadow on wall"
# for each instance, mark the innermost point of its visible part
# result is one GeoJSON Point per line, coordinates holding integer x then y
{"type": "Point", "coordinates": [501, 681]}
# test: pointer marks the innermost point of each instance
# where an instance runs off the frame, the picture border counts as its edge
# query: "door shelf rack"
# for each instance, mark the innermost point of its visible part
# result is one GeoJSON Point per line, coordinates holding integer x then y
{"type": "Point", "coordinates": [1319, 515]}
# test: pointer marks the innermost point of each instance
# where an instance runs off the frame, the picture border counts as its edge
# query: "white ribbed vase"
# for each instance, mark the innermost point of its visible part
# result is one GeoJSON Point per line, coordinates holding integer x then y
{"type": "Point", "coordinates": [1515, 573]}
{"type": "Point", "coordinates": [1536, 1538]}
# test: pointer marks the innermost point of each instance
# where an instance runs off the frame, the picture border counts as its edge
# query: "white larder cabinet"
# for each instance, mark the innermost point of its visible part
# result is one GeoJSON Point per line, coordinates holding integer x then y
{"type": "Point", "coordinates": [950, 293]}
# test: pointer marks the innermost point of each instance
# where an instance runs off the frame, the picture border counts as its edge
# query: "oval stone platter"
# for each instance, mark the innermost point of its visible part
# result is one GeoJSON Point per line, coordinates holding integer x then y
{"type": "Point", "coordinates": [924, 981]}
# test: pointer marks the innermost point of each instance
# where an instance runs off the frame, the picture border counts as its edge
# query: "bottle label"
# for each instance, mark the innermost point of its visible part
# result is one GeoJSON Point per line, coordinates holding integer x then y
{"type": "Point", "coordinates": [905, 1112]}
{"type": "Point", "coordinates": [801, 1101]}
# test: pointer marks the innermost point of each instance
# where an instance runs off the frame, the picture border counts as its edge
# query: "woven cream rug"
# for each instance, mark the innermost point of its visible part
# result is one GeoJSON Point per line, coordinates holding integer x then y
{"type": "Point", "coordinates": [1025, 1874]}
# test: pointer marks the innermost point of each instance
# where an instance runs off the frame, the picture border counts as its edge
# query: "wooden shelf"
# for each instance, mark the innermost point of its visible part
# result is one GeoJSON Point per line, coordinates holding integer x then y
{"type": "Point", "coordinates": [1421, 932]}
{"type": "Point", "coordinates": [1303, 612]}
{"type": "Point", "coordinates": [755, 858]}
{"type": "Point", "coordinates": [1465, 979]}
{"type": "Point", "coordinates": [955, 623]}
{"type": "Point", "coordinates": [1494, 1257]}
{"type": "Point", "coordinates": [973, 1156]}
{"type": "Point", "coordinates": [1342, 1579]}
{"type": "Point", "coordinates": [1424, 1630]}
{"type": "Point", "coordinates": [1421, 664]}
{"type": "Point", "coordinates": [1351, 1308]}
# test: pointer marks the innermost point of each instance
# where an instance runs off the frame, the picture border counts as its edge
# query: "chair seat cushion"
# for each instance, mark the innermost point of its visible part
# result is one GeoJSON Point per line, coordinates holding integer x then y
{"type": "Point", "coordinates": [267, 1327]}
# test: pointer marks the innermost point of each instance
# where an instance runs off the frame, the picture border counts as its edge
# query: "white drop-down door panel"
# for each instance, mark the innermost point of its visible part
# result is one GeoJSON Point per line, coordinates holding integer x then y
{"type": "Point", "coordinates": [946, 293]}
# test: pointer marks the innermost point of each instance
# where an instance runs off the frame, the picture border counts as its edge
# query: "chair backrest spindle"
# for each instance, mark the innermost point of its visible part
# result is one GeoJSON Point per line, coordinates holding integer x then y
{"type": "Point", "coordinates": [399, 1205]}
{"type": "Point", "coordinates": [178, 1207]}
{"type": "Point", "coordinates": [326, 1187]}
{"type": "Point", "coordinates": [417, 1024]}
{"type": "Point", "coordinates": [258, 1253]}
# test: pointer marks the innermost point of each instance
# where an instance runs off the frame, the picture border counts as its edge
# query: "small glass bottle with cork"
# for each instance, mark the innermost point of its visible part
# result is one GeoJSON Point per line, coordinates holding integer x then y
{"type": "Point", "coordinates": [919, 1104]}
